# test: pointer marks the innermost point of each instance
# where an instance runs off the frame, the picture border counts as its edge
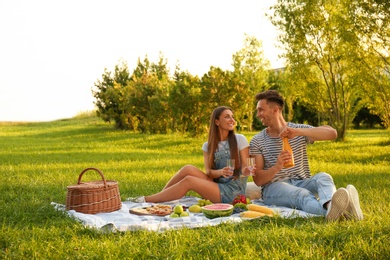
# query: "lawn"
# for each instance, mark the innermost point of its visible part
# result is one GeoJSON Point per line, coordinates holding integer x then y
{"type": "Point", "coordinates": [39, 160]}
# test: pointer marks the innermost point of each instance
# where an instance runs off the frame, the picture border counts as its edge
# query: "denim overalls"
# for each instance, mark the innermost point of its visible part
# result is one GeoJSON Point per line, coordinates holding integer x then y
{"type": "Point", "coordinates": [229, 188]}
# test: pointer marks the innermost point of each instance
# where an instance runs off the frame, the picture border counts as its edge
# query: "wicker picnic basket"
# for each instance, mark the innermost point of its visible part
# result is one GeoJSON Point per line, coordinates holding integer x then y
{"type": "Point", "coordinates": [93, 197]}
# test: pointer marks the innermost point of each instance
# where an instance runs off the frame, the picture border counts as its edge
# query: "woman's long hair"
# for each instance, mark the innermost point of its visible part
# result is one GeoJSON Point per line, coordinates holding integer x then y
{"type": "Point", "coordinates": [214, 138]}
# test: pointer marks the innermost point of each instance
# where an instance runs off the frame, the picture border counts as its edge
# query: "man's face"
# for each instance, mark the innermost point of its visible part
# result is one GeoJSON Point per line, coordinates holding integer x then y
{"type": "Point", "coordinates": [265, 112]}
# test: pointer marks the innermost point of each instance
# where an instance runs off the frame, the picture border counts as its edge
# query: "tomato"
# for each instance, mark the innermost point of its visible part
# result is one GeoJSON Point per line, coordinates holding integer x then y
{"type": "Point", "coordinates": [240, 198]}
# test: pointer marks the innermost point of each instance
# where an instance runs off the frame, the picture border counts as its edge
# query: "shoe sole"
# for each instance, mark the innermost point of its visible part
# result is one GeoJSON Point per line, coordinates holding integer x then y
{"type": "Point", "coordinates": [339, 205]}
{"type": "Point", "coordinates": [354, 209]}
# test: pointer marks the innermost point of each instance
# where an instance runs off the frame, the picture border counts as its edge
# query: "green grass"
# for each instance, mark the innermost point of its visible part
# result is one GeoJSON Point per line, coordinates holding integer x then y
{"type": "Point", "coordinates": [39, 160]}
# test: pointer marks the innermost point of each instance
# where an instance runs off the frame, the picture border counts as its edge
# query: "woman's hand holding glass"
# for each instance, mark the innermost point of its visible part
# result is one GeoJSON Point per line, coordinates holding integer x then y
{"type": "Point", "coordinates": [230, 164]}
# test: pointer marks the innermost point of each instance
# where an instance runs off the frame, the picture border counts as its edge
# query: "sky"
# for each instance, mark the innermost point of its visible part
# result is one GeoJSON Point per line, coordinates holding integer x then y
{"type": "Point", "coordinates": [53, 51]}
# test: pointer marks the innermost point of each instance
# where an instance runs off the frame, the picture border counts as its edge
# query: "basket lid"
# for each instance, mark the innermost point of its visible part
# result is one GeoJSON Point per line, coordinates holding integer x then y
{"type": "Point", "coordinates": [93, 184]}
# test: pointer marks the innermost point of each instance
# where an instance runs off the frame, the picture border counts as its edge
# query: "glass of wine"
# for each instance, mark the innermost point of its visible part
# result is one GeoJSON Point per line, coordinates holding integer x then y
{"type": "Point", "coordinates": [250, 162]}
{"type": "Point", "coordinates": [230, 163]}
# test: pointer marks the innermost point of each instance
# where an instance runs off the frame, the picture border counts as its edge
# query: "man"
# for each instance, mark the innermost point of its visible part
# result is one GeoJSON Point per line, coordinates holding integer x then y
{"type": "Point", "coordinates": [295, 187]}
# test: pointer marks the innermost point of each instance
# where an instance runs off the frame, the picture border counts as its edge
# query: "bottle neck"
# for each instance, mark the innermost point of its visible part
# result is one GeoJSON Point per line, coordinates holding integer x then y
{"type": "Point", "coordinates": [286, 144]}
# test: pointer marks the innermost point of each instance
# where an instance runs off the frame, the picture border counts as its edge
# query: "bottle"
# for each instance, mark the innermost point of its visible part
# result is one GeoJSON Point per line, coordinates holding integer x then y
{"type": "Point", "coordinates": [287, 147]}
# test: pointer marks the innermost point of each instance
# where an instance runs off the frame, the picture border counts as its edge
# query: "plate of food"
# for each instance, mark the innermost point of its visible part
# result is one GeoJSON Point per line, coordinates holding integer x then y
{"type": "Point", "coordinates": [153, 210]}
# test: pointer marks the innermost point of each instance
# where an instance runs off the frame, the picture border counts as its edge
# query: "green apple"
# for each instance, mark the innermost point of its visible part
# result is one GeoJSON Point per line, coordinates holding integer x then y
{"type": "Point", "coordinates": [184, 214]}
{"type": "Point", "coordinates": [178, 209]}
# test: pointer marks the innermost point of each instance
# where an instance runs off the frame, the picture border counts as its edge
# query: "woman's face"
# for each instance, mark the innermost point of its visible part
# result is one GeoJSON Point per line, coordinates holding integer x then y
{"type": "Point", "coordinates": [226, 121]}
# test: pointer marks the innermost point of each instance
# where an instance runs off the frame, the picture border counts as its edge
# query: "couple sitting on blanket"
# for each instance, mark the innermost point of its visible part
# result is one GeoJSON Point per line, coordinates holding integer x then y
{"type": "Point", "coordinates": [290, 187]}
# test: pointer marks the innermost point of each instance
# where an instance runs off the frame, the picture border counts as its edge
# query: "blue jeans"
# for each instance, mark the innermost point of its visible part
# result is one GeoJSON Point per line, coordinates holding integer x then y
{"type": "Point", "coordinates": [308, 195]}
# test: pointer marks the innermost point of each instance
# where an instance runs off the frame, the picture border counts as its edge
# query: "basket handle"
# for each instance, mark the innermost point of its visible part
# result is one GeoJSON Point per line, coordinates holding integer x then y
{"type": "Point", "coordinates": [91, 168]}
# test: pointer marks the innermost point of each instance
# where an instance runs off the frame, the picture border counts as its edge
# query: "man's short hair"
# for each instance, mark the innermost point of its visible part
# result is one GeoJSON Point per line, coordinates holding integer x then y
{"type": "Point", "coordinates": [271, 96]}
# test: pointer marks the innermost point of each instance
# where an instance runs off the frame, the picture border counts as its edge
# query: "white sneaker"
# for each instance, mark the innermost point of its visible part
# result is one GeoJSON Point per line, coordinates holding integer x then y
{"type": "Point", "coordinates": [353, 211]}
{"type": "Point", "coordinates": [137, 199]}
{"type": "Point", "coordinates": [338, 205]}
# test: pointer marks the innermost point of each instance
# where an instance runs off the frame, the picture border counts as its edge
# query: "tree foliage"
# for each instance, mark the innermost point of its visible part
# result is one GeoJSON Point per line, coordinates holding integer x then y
{"type": "Point", "coordinates": [321, 46]}
{"type": "Point", "coordinates": [338, 63]}
{"type": "Point", "coordinates": [110, 94]}
{"type": "Point", "coordinates": [185, 100]}
{"type": "Point", "coordinates": [250, 76]}
{"type": "Point", "coordinates": [372, 23]}
{"type": "Point", "coordinates": [150, 100]}
{"type": "Point", "coordinates": [136, 102]}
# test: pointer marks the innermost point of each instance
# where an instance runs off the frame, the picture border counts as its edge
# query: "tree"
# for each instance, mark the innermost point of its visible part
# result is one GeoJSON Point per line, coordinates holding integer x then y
{"type": "Point", "coordinates": [138, 102]}
{"type": "Point", "coordinates": [249, 77]}
{"type": "Point", "coordinates": [148, 96]}
{"type": "Point", "coordinates": [215, 91]}
{"type": "Point", "coordinates": [185, 102]}
{"type": "Point", "coordinates": [109, 93]}
{"type": "Point", "coordinates": [321, 48]}
{"type": "Point", "coordinates": [372, 23]}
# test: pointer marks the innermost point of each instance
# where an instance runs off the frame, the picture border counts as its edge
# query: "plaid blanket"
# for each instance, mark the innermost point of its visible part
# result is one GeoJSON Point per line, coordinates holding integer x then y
{"type": "Point", "coordinates": [122, 220]}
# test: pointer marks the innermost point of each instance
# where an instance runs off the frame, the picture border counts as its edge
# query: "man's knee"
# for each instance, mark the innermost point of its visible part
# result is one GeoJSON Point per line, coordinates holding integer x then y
{"type": "Point", "coordinates": [301, 194]}
{"type": "Point", "coordinates": [323, 176]}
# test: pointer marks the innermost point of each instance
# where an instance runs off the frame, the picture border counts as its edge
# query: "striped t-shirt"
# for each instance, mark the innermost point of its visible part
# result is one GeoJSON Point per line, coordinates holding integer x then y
{"type": "Point", "coordinates": [271, 147]}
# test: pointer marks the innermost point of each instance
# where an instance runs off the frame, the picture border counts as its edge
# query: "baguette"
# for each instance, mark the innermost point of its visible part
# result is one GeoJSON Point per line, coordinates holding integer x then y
{"type": "Point", "coordinates": [262, 209]}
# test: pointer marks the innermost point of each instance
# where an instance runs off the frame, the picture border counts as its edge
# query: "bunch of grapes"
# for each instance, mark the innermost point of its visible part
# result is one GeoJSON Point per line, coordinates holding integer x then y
{"type": "Point", "coordinates": [239, 207]}
{"type": "Point", "coordinates": [204, 202]}
{"type": "Point", "coordinates": [238, 210]}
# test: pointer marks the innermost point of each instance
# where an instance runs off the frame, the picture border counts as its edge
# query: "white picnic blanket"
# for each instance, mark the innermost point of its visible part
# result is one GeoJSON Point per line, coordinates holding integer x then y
{"type": "Point", "coordinates": [123, 220]}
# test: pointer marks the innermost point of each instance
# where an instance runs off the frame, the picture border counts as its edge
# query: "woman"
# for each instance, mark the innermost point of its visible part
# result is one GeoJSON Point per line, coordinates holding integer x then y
{"type": "Point", "coordinates": [218, 184]}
